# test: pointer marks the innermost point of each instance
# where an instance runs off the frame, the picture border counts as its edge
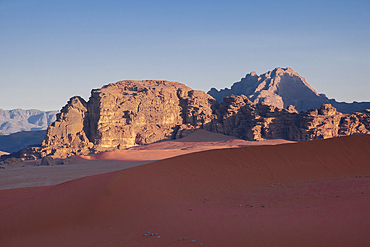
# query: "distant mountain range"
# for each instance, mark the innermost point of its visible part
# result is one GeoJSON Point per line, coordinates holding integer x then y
{"type": "Point", "coordinates": [12, 121]}
{"type": "Point", "coordinates": [282, 87]}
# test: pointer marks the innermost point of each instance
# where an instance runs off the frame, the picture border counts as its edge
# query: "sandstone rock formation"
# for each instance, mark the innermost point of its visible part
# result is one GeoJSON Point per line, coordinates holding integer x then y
{"type": "Point", "coordinates": [282, 87]}
{"type": "Point", "coordinates": [239, 117]}
{"type": "Point", "coordinates": [319, 124]}
{"type": "Point", "coordinates": [355, 123]}
{"type": "Point", "coordinates": [125, 114]}
{"type": "Point", "coordinates": [66, 134]}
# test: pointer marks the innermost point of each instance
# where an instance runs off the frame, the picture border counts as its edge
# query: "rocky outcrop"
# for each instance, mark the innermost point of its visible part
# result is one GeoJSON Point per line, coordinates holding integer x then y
{"type": "Point", "coordinates": [239, 117]}
{"type": "Point", "coordinates": [67, 134]}
{"type": "Point", "coordinates": [130, 113]}
{"type": "Point", "coordinates": [319, 124]}
{"type": "Point", "coordinates": [282, 87]}
{"type": "Point", "coordinates": [355, 123]}
{"type": "Point", "coordinates": [125, 114]}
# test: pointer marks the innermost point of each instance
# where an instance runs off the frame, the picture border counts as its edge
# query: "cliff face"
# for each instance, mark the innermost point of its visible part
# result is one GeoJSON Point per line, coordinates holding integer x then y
{"type": "Point", "coordinates": [125, 114]}
{"type": "Point", "coordinates": [282, 87]}
{"type": "Point", "coordinates": [67, 133]}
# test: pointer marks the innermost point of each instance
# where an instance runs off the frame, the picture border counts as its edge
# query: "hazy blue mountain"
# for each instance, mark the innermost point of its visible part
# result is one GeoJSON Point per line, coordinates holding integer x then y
{"type": "Point", "coordinates": [12, 121]}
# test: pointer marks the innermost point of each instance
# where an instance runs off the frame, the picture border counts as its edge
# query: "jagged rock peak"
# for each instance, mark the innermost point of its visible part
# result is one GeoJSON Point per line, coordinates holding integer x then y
{"type": "Point", "coordinates": [280, 72]}
{"type": "Point", "coordinates": [279, 87]}
{"type": "Point", "coordinates": [253, 73]}
{"type": "Point", "coordinates": [282, 87]}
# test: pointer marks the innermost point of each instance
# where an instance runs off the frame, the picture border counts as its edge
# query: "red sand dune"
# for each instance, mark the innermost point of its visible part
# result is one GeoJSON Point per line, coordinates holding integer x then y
{"type": "Point", "coordinates": [200, 140]}
{"type": "Point", "coordinates": [305, 194]}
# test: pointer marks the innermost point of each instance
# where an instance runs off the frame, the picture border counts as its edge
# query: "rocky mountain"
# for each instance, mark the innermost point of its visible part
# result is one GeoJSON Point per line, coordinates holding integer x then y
{"type": "Point", "coordinates": [12, 121]}
{"type": "Point", "coordinates": [130, 113]}
{"type": "Point", "coordinates": [282, 87]}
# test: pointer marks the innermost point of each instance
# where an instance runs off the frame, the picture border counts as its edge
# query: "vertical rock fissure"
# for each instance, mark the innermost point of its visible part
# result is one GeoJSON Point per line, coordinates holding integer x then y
{"type": "Point", "coordinates": [92, 117]}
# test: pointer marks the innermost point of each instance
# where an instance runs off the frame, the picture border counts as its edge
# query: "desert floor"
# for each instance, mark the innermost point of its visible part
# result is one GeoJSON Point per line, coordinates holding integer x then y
{"type": "Point", "coordinates": [28, 174]}
{"type": "Point", "coordinates": [295, 194]}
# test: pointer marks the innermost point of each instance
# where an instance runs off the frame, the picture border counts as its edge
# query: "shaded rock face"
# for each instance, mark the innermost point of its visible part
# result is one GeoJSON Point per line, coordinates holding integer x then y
{"type": "Point", "coordinates": [282, 87]}
{"type": "Point", "coordinates": [125, 114]}
{"type": "Point", "coordinates": [67, 134]}
{"type": "Point", "coordinates": [239, 117]}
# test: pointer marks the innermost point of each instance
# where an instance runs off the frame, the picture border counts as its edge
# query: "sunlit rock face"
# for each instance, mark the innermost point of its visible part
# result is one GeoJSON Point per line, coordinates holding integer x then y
{"type": "Point", "coordinates": [126, 114]}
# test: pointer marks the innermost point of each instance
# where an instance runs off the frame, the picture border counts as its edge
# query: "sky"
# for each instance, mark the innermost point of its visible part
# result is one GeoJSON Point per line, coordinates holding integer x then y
{"type": "Point", "coordinates": [53, 50]}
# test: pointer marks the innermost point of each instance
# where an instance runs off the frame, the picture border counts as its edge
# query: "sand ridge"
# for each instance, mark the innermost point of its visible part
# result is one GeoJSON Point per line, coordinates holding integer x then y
{"type": "Point", "coordinates": [198, 141]}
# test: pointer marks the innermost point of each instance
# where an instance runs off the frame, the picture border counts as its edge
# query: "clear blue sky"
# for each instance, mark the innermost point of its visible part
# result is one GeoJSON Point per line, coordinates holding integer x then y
{"type": "Point", "coordinates": [53, 50]}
